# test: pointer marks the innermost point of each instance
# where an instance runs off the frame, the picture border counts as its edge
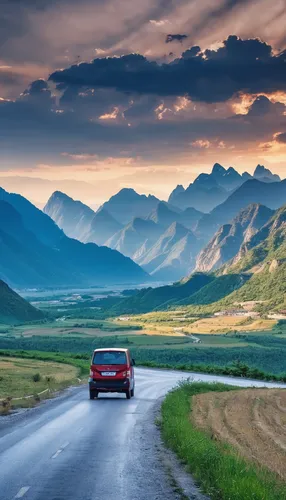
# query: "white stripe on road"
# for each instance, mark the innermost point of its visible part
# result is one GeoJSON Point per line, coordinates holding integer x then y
{"type": "Point", "coordinates": [60, 449]}
{"type": "Point", "coordinates": [22, 492]}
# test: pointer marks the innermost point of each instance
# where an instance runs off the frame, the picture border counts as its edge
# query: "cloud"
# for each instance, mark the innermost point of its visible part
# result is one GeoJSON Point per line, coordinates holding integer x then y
{"type": "Point", "coordinates": [208, 76]}
{"type": "Point", "coordinates": [281, 137]}
{"type": "Point", "coordinates": [263, 106]}
{"type": "Point", "coordinates": [38, 37]}
{"type": "Point", "coordinates": [175, 38]}
{"type": "Point", "coordinates": [132, 107]}
{"type": "Point", "coordinates": [160, 22]}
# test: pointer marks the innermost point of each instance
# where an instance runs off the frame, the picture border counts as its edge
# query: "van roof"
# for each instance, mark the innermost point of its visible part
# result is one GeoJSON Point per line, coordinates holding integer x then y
{"type": "Point", "coordinates": [116, 349]}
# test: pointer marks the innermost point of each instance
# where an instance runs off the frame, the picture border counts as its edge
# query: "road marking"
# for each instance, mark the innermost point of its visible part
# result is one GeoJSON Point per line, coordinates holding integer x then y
{"type": "Point", "coordinates": [60, 449]}
{"type": "Point", "coordinates": [57, 454]}
{"type": "Point", "coordinates": [22, 492]}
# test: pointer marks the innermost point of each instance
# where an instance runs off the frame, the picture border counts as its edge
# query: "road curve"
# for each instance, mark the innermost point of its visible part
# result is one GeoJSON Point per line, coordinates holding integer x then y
{"type": "Point", "coordinates": [72, 448]}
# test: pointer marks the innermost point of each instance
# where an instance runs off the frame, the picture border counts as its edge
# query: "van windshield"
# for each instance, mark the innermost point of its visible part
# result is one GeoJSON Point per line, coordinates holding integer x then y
{"type": "Point", "coordinates": [109, 358]}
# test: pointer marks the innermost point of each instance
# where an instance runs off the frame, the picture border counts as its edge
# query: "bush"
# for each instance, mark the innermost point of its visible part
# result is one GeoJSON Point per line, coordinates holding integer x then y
{"type": "Point", "coordinates": [36, 377]}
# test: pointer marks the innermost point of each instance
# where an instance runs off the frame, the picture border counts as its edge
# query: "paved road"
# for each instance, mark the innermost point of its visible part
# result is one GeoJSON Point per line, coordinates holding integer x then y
{"type": "Point", "coordinates": [74, 449]}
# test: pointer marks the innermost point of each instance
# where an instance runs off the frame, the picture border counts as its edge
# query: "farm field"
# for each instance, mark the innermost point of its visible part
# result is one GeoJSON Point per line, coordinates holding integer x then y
{"type": "Point", "coordinates": [231, 439]}
{"type": "Point", "coordinates": [172, 338]}
{"type": "Point", "coordinates": [157, 323]}
{"type": "Point", "coordinates": [252, 421]}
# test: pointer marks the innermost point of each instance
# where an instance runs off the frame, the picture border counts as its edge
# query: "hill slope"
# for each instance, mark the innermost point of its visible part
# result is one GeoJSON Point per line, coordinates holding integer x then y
{"type": "Point", "coordinates": [79, 221]}
{"type": "Point", "coordinates": [138, 233]}
{"type": "Point", "coordinates": [228, 240]}
{"type": "Point", "coordinates": [173, 255]}
{"type": "Point", "coordinates": [73, 217]}
{"type": "Point", "coordinates": [153, 298]}
{"type": "Point", "coordinates": [14, 309]}
{"type": "Point", "coordinates": [264, 258]}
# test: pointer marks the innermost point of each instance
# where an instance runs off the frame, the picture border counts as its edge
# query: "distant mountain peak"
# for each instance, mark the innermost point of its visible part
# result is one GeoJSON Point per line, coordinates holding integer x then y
{"type": "Point", "coordinates": [246, 176]}
{"type": "Point", "coordinates": [263, 173]}
{"type": "Point", "coordinates": [179, 189]}
{"type": "Point", "coordinates": [218, 169]}
{"type": "Point", "coordinates": [59, 195]}
{"type": "Point", "coordinates": [260, 171]}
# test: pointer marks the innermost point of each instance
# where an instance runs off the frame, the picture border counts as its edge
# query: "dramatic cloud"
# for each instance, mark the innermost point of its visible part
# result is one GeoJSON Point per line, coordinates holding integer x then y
{"type": "Point", "coordinates": [38, 37]}
{"type": "Point", "coordinates": [281, 137]}
{"type": "Point", "coordinates": [209, 76]}
{"type": "Point", "coordinates": [130, 112]}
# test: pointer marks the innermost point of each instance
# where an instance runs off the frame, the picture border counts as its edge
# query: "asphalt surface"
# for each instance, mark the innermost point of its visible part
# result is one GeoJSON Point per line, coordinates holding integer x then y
{"type": "Point", "coordinates": [71, 448]}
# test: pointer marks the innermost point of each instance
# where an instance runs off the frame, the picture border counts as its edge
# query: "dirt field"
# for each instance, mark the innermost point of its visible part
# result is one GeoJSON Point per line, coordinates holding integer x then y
{"type": "Point", "coordinates": [252, 420]}
{"type": "Point", "coordinates": [222, 324]}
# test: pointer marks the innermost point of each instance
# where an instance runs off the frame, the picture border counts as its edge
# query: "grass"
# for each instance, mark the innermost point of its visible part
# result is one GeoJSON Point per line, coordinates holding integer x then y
{"type": "Point", "coordinates": [217, 467]}
{"type": "Point", "coordinates": [27, 376]}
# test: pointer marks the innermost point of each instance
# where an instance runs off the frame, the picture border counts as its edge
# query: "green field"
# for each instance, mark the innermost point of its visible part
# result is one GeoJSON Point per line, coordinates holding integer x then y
{"type": "Point", "coordinates": [173, 338]}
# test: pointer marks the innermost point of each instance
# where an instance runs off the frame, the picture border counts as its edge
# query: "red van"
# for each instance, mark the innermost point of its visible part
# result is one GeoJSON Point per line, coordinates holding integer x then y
{"type": "Point", "coordinates": [111, 370]}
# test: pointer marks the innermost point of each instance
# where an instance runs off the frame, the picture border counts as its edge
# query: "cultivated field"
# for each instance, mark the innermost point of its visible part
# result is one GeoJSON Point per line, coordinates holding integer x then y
{"type": "Point", "coordinates": [161, 323]}
{"type": "Point", "coordinates": [253, 421]}
{"type": "Point", "coordinates": [222, 324]}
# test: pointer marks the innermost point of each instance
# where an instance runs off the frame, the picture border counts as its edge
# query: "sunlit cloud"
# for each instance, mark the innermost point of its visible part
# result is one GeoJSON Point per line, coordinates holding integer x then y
{"type": "Point", "coordinates": [201, 143]}
{"type": "Point", "coordinates": [160, 22]}
{"type": "Point", "coordinates": [110, 116]}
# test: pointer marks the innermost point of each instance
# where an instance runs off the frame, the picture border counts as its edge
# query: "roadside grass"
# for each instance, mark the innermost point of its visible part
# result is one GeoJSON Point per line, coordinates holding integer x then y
{"type": "Point", "coordinates": [27, 378]}
{"type": "Point", "coordinates": [217, 467]}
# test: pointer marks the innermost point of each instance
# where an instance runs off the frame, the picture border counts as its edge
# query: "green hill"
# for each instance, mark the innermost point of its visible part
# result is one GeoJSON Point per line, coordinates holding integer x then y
{"type": "Point", "coordinates": [268, 285]}
{"type": "Point", "coordinates": [14, 309]}
{"type": "Point", "coordinates": [264, 258]}
{"type": "Point", "coordinates": [216, 290]}
{"type": "Point", "coordinates": [150, 299]}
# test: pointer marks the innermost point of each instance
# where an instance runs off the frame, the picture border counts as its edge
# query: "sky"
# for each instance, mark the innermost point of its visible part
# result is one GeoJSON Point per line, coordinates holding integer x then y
{"type": "Point", "coordinates": [99, 95]}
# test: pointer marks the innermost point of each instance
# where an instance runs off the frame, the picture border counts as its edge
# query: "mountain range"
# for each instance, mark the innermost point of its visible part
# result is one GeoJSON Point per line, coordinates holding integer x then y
{"type": "Point", "coordinates": [36, 252]}
{"type": "Point", "coordinates": [272, 195]}
{"type": "Point", "coordinates": [210, 190]}
{"type": "Point", "coordinates": [165, 238]}
{"type": "Point", "coordinates": [133, 236]}
{"type": "Point", "coordinates": [256, 273]}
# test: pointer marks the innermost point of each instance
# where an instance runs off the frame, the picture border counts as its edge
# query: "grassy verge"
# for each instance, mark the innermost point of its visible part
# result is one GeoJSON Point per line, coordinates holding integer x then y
{"type": "Point", "coordinates": [29, 377]}
{"type": "Point", "coordinates": [217, 467]}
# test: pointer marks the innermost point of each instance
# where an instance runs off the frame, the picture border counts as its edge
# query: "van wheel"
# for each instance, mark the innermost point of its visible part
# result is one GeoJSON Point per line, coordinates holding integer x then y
{"type": "Point", "coordinates": [93, 394]}
{"type": "Point", "coordinates": [132, 392]}
{"type": "Point", "coordinates": [128, 394]}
